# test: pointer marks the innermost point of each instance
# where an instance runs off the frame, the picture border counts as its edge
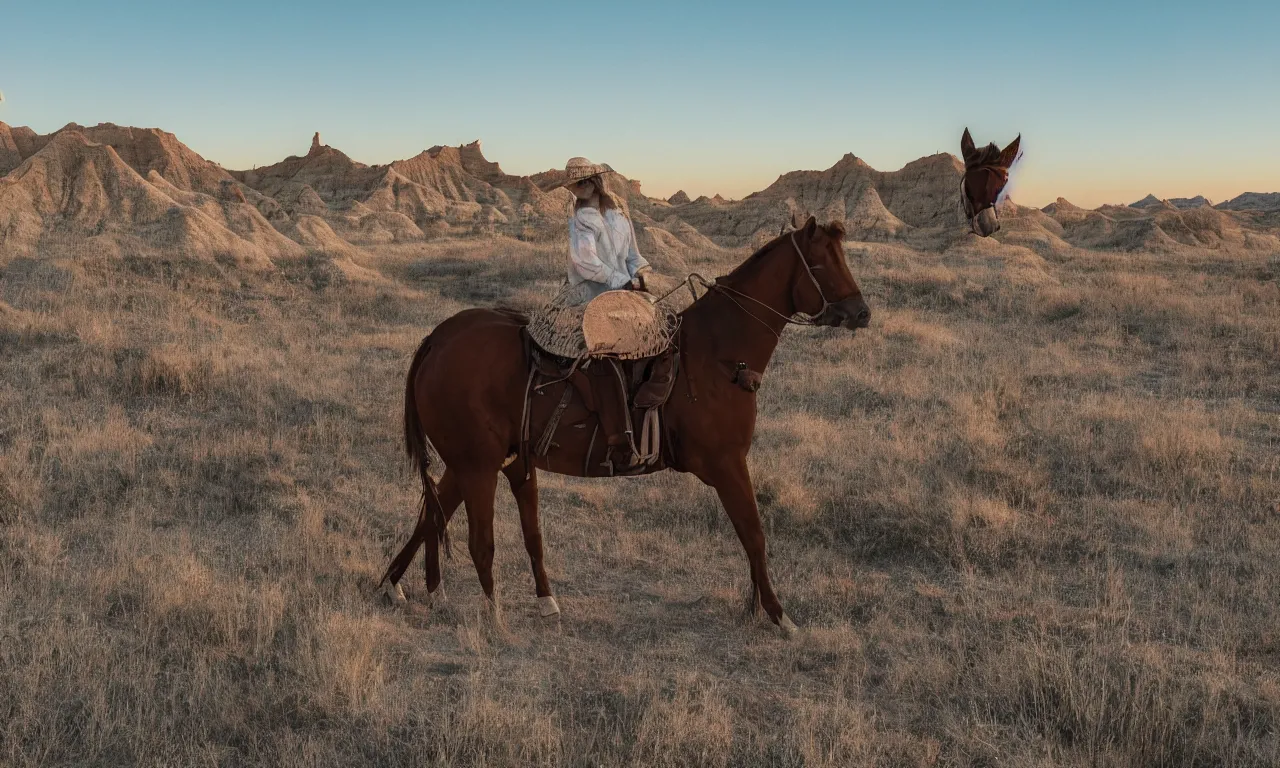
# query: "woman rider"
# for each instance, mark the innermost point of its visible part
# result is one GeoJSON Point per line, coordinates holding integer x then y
{"type": "Point", "coordinates": [602, 257]}
{"type": "Point", "coordinates": [602, 242]}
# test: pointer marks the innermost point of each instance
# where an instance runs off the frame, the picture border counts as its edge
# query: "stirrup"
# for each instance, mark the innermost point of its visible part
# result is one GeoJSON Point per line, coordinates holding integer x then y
{"type": "Point", "coordinates": [611, 460]}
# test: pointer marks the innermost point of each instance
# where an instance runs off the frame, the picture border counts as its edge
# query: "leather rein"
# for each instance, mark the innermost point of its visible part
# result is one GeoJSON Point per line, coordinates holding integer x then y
{"type": "Point", "coordinates": [787, 319]}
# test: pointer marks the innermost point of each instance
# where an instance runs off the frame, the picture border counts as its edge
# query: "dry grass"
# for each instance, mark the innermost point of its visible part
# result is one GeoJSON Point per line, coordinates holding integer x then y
{"type": "Point", "coordinates": [1029, 518]}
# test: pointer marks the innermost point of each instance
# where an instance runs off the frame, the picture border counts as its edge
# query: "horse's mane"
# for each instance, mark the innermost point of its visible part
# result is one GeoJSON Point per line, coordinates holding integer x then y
{"type": "Point", "coordinates": [834, 230]}
{"type": "Point", "coordinates": [753, 258]}
{"type": "Point", "coordinates": [988, 155]}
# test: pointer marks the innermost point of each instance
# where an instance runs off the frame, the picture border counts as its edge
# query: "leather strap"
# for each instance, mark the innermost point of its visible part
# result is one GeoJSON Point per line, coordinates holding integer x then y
{"type": "Point", "coordinates": [544, 442]}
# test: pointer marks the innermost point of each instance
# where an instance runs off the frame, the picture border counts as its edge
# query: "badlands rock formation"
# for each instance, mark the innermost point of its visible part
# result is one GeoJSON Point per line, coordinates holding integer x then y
{"type": "Point", "coordinates": [1160, 225]}
{"type": "Point", "coordinates": [70, 185]}
{"type": "Point", "coordinates": [133, 190]}
{"type": "Point", "coordinates": [1253, 201]}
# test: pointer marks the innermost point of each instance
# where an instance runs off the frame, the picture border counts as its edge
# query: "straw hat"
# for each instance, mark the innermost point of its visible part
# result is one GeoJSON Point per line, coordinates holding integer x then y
{"type": "Point", "coordinates": [577, 169]}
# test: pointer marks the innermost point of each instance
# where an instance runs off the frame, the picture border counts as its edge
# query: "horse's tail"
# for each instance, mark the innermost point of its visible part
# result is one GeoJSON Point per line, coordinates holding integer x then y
{"type": "Point", "coordinates": [431, 520]}
{"type": "Point", "coordinates": [415, 440]}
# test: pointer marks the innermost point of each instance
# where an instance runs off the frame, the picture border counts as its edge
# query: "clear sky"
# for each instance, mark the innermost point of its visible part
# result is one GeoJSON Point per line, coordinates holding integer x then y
{"type": "Point", "coordinates": [1113, 99]}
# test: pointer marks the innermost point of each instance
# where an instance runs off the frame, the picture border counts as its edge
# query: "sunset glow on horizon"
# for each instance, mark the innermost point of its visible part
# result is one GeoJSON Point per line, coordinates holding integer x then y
{"type": "Point", "coordinates": [1112, 103]}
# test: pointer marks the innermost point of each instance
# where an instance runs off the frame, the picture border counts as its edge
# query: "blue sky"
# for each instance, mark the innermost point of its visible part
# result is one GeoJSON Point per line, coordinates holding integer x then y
{"type": "Point", "coordinates": [1114, 100]}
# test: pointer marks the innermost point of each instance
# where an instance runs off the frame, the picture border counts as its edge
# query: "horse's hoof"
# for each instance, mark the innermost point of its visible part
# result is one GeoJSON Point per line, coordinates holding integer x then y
{"type": "Point", "coordinates": [429, 600]}
{"type": "Point", "coordinates": [547, 606]}
{"type": "Point", "coordinates": [394, 594]}
{"type": "Point", "coordinates": [787, 626]}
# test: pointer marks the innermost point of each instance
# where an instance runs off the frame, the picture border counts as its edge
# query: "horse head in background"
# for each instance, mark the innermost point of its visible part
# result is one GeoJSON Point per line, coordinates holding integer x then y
{"type": "Point", "coordinates": [986, 172]}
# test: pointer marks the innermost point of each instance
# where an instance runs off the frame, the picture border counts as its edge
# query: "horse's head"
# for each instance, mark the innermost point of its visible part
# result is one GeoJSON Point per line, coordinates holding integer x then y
{"type": "Point", "coordinates": [986, 171]}
{"type": "Point", "coordinates": [823, 286]}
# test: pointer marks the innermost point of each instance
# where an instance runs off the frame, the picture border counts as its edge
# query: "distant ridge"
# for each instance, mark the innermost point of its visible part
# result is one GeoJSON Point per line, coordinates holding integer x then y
{"type": "Point", "coordinates": [133, 189]}
{"type": "Point", "coordinates": [1252, 201]}
{"type": "Point", "coordinates": [1151, 201]}
{"type": "Point", "coordinates": [1181, 203]}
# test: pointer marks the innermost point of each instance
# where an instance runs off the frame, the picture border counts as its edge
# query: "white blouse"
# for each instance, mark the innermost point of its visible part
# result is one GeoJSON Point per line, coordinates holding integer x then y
{"type": "Point", "coordinates": [602, 251]}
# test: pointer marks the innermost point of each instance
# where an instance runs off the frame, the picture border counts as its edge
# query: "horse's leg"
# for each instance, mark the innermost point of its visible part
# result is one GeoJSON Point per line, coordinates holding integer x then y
{"type": "Point", "coordinates": [450, 494]}
{"type": "Point", "coordinates": [477, 493]}
{"type": "Point", "coordinates": [526, 492]}
{"type": "Point", "coordinates": [732, 482]}
{"type": "Point", "coordinates": [450, 497]}
{"type": "Point", "coordinates": [424, 532]}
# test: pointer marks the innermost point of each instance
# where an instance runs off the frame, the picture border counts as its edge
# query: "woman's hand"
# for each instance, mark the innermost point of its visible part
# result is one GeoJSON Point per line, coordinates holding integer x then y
{"type": "Point", "coordinates": [637, 282]}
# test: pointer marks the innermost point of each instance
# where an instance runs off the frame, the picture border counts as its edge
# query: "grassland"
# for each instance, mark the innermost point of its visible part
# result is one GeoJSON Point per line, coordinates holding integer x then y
{"type": "Point", "coordinates": [1030, 518]}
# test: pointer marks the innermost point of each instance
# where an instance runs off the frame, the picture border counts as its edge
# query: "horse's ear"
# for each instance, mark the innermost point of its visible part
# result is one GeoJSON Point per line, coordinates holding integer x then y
{"type": "Point", "coordinates": [1010, 153]}
{"type": "Point", "coordinates": [836, 230]}
{"type": "Point", "coordinates": [967, 149]}
{"type": "Point", "coordinates": [811, 225]}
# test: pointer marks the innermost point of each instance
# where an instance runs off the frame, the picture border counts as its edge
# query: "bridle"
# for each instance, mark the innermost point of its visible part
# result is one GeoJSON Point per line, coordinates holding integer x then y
{"type": "Point", "coordinates": [787, 319]}
{"type": "Point", "coordinates": [967, 204]}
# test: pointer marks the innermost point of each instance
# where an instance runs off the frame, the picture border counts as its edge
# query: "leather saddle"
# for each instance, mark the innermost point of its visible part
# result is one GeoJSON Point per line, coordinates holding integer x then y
{"type": "Point", "coordinates": [619, 393]}
{"type": "Point", "coordinates": [649, 379]}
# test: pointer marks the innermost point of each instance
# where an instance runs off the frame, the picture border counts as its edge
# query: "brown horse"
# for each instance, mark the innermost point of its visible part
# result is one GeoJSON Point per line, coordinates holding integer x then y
{"type": "Point", "coordinates": [986, 172]}
{"type": "Point", "coordinates": [466, 394]}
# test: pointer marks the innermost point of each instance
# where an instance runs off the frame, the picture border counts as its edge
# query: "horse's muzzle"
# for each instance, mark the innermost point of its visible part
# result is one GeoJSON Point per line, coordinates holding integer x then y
{"type": "Point", "coordinates": [852, 313]}
{"type": "Point", "coordinates": [986, 223]}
